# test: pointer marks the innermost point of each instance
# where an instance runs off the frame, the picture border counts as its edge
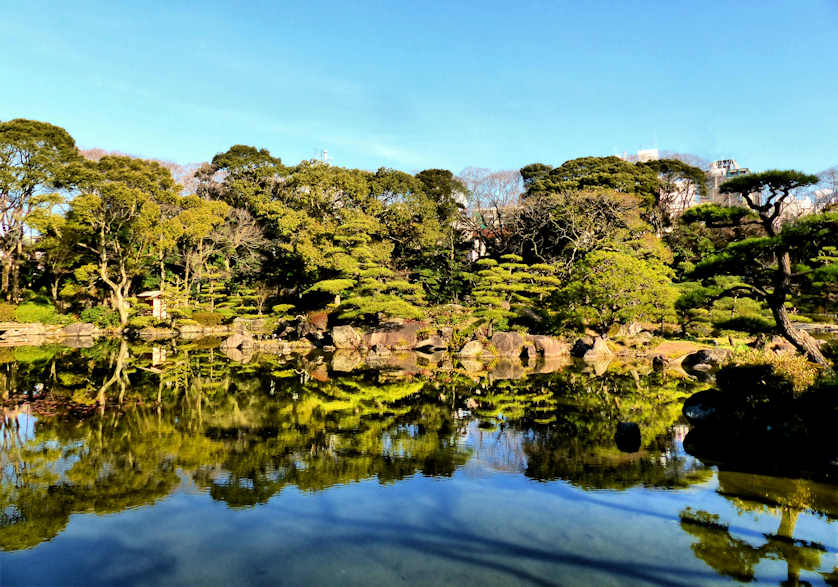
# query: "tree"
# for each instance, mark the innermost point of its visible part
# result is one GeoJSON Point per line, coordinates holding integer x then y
{"type": "Point", "coordinates": [681, 185]}
{"type": "Point", "coordinates": [561, 228]}
{"type": "Point", "coordinates": [510, 289]}
{"type": "Point", "coordinates": [446, 191]}
{"type": "Point", "coordinates": [765, 263]}
{"type": "Point", "coordinates": [118, 216]}
{"type": "Point", "coordinates": [611, 287]}
{"type": "Point", "coordinates": [35, 158]}
{"type": "Point", "coordinates": [593, 173]}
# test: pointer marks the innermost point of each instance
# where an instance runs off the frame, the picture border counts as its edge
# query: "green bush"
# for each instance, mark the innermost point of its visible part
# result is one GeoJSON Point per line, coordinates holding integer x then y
{"type": "Point", "coordinates": [779, 371]}
{"type": "Point", "coordinates": [140, 322]}
{"type": "Point", "coordinates": [208, 318]}
{"type": "Point", "coordinates": [101, 316]}
{"type": "Point", "coordinates": [29, 312]}
{"type": "Point", "coordinates": [7, 312]}
{"type": "Point", "coordinates": [180, 313]}
{"type": "Point", "coordinates": [749, 324]}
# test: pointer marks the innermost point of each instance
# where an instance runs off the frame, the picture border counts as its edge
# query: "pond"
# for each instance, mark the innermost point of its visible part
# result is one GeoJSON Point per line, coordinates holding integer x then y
{"type": "Point", "coordinates": [195, 469]}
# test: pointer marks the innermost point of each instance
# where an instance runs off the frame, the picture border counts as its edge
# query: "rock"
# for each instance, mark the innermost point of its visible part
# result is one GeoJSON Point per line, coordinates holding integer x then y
{"type": "Point", "coordinates": [506, 368]}
{"type": "Point", "coordinates": [508, 344]}
{"type": "Point", "coordinates": [313, 324]}
{"type": "Point", "coordinates": [80, 329]}
{"type": "Point", "coordinates": [346, 360]}
{"type": "Point", "coordinates": [529, 353]}
{"type": "Point", "coordinates": [551, 364]}
{"type": "Point", "coordinates": [447, 333]}
{"type": "Point", "coordinates": [582, 346]}
{"type": "Point", "coordinates": [778, 344]}
{"type": "Point", "coordinates": [627, 437]}
{"type": "Point", "coordinates": [659, 362]}
{"type": "Point", "coordinates": [400, 335]}
{"type": "Point", "coordinates": [600, 365]}
{"type": "Point", "coordinates": [238, 341]}
{"type": "Point", "coordinates": [707, 357]}
{"type": "Point", "coordinates": [434, 342]}
{"type": "Point", "coordinates": [150, 333]}
{"type": "Point", "coordinates": [704, 407]}
{"type": "Point", "coordinates": [244, 325]}
{"type": "Point", "coordinates": [473, 348]}
{"type": "Point", "coordinates": [599, 350]}
{"type": "Point", "coordinates": [634, 328]}
{"type": "Point", "coordinates": [240, 355]}
{"type": "Point", "coordinates": [379, 351]}
{"type": "Point", "coordinates": [346, 337]}
{"type": "Point", "coordinates": [472, 365]}
{"type": "Point", "coordinates": [549, 346]}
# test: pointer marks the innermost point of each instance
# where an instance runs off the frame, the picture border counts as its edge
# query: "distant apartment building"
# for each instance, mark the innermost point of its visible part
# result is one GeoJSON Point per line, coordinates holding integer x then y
{"type": "Point", "coordinates": [719, 172]}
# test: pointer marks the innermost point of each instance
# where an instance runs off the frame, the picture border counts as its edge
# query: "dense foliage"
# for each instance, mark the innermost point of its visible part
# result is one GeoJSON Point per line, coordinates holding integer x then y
{"type": "Point", "coordinates": [593, 242]}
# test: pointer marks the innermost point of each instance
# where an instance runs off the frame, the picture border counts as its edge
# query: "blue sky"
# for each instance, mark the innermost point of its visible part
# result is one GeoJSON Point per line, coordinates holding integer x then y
{"type": "Point", "coordinates": [414, 85]}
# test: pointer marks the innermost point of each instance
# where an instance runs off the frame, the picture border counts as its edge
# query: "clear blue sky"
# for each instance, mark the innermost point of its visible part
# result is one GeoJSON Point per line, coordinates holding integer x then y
{"type": "Point", "coordinates": [431, 84]}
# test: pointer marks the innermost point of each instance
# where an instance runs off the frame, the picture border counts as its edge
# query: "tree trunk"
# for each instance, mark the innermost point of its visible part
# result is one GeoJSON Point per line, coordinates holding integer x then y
{"type": "Point", "coordinates": [804, 343]}
{"type": "Point", "coordinates": [120, 306]}
{"type": "Point", "coordinates": [16, 268]}
{"type": "Point", "coordinates": [7, 271]}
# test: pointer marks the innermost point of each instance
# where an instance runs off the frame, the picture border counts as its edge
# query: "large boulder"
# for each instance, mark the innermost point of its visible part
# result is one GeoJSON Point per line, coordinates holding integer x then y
{"type": "Point", "coordinates": [346, 360]}
{"type": "Point", "coordinates": [506, 368]}
{"type": "Point", "coordinates": [80, 329]}
{"type": "Point", "coordinates": [598, 351]}
{"type": "Point", "coordinates": [628, 437]}
{"type": "Point", "coordinates": [705, 359]}
{"type": "Point", "coordinates": [346, 337]}
{"type": "Point", "coordinates": [508, 344]}
{"type": "Point", "coordinates": [238, 341]}
{"type": "Point", "coordinates": [395, 335]}
{"type": "Point", "coordinates": [313, 324]}
{"type": "Point", "coordinates": [582, 346]}
{"type": "Point", "coordinates": [548, 346]}
{"type": "Point", "coordinates": [473, 348]}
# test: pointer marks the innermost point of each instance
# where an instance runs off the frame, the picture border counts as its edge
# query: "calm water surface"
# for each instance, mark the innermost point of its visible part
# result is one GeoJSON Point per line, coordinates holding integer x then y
{"type": "Point", "coordinates": [202, 470]}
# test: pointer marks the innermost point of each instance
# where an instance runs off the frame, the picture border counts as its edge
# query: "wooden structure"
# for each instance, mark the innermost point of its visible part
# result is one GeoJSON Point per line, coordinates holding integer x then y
{"type": "Point", "coordinates": [154, 298]}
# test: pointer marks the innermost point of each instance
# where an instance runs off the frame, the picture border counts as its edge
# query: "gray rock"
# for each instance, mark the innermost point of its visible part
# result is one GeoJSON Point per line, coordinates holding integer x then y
{"type": "Point", "coordinates": [705, 357]}
{"type": "Point", "coordinates": [508, 344]}
{"type": "Point", "coordinates": [549, 346]}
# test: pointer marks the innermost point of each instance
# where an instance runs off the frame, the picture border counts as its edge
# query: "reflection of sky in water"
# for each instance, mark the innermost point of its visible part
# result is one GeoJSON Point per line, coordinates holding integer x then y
{"type": "Point", "coordinates": [487, 524]}
{"type": "Point", "coordinates": [398, 487]}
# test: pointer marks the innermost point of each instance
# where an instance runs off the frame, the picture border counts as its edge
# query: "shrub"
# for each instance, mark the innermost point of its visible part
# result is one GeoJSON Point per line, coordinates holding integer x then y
{"type": "Point", "coordinates": [7, 312]}
{"type": "Point", "coordinates": [140, 322]}
{"type": "Point", "coordinates": [208, 318]}
{"type": "Point", "coordinates": [781, 370]}
{"type": "Point", "coordinates": [101, 316]}
{"type": "Point", "coordinates": [29, 312]}
{"type": "Point", "coordinates": [749, 324]}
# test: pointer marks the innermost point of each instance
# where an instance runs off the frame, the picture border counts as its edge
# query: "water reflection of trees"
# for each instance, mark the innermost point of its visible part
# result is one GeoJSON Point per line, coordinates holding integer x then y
{"type": "Point", "coordinates": [141, 420]}
{"type": "Point", "coordinates": [786, 498]}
